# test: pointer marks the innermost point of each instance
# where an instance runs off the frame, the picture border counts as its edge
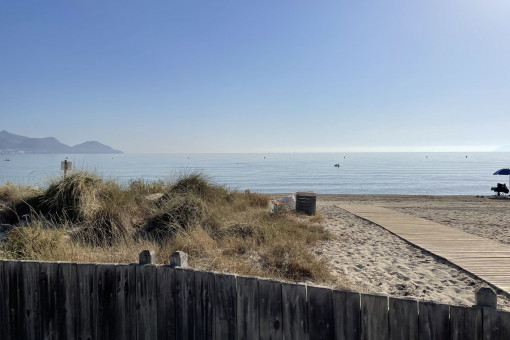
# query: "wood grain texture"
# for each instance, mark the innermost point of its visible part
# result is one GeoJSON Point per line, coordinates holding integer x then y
{"type": "Point", "coordinates": [225, 307]}
{"type": "Point", "coordinates": [166, 304]}
{"type": "Point", "coordinates": [3, 305]}
{"type": "Point", "coordinates": [465, 323]}
{"type": "Point", "coordinates": [184, 297]}
{"type": "Point", "coordinates": [403, 319]}
{"type": "Point", "coordinates": [125, 301]}
{"type": "Point", "coordinates": [496, 324]}
{"type": "Point", "coordinates": [374, 317]}
{"type": "Point", "coordinates": [48, 287]}
{"type": "Point", "coordinates": [204, 311]}
{"type": "Point", "coordinates": [146, 302]}
{"type": "Point", "coordinates": [434, 321]}
{"type": "Point", "coordinates": [270, 310]}
{"type": "Point", "coordinates": [347, 314]}
{"type": "Point", "coordinates": [29, 294]}
{"type": "Point", "coordinates": [320, 313]}
{"type": "Point", "coordinates": [12, 276]}
{"type": "Point", "coordinates": [67, 300]}
{"type": "Point", "coordinates": [106, 295]}
{"type": "Point", "coordinates": [295, 316]}
{"type": "Point", "coordinates": [247, 308]}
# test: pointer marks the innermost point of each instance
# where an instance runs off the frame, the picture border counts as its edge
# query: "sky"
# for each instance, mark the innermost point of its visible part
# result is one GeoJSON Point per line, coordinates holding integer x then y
{"type": "Point", "coordinates": [258, 76]}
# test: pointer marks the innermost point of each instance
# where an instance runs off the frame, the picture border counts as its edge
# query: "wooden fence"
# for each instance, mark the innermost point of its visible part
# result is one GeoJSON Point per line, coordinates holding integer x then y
{"type": "Point", "coordinates": [57, 300]}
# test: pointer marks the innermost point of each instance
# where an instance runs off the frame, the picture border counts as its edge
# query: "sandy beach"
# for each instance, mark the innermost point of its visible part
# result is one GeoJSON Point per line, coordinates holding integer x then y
{"type": "Point", "coordinates": [374, 260]}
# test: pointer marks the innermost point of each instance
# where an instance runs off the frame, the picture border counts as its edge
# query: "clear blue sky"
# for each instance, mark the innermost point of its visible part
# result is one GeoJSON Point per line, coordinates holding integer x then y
{"type": "Point", "coordinates": [258, 76]}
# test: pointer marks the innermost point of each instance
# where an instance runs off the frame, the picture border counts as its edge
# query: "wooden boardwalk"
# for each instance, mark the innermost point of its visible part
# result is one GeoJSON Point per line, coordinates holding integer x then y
{"type": "Point", "coordinates": [486, 259]}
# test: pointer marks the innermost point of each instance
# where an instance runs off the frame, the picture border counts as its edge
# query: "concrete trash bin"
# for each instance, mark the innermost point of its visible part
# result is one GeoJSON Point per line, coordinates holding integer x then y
{"type": "Point", "coordinates": [306, 202]}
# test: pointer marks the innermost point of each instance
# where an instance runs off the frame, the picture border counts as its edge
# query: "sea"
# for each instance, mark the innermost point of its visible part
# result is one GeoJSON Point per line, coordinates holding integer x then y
{"type": "Point", "coordinates": [357, 173]}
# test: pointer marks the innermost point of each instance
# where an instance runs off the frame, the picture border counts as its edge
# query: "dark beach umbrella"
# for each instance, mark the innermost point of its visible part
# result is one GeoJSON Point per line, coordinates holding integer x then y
{"type": "Point", "coordinates": [505, 171]}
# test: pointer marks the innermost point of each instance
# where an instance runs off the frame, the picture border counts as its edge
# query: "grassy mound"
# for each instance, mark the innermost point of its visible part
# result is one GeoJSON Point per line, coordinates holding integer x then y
{"type": "Point", "coordinates": [86, 218]}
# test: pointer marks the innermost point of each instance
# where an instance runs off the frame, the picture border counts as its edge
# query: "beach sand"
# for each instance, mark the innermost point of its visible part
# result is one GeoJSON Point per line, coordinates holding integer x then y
{"type": "Point", "coordinates": [373, 260]}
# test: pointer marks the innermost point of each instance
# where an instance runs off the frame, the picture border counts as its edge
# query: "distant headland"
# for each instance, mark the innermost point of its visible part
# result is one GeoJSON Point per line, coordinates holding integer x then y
{"type": "Point", "coordinates": [11, 144]}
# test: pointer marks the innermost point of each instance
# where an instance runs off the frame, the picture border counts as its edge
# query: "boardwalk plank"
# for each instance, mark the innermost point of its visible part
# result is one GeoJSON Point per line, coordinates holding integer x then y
{"type": "Point", "coordinates": [480, 256]}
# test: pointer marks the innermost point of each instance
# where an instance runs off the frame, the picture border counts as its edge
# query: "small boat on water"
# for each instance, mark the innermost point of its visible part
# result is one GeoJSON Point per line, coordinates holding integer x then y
{"type": "Point", "coordinates": [7, 160]}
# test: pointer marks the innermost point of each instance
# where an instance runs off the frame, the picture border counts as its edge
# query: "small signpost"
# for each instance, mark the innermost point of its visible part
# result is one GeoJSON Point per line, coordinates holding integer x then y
{"type": "Point", "coordinates": [65, 165]}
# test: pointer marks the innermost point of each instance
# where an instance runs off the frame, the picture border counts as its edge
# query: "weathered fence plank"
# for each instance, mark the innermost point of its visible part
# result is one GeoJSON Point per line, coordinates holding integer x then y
{"type": "Point", "coordinates": [225, 307]}
{"type": "Point", "coordinates": [146, 302]}
{"type": "Point", "coordinates": [496, 324]}
{"type": "Point", "coordinates": [166, 304]}
{"type": "Point", "coordinates": [48, 287]}
{"type": "Point", "coordinates": [347, 314]}
{"type": "Point", "coordinates": [125, 301]}
{"type": "Point", "coordinates": [3, 306]}
{"type": "Point", "coordinates": [465, 323]}
{"type": "Point", "coordinates": [247, 308]}
{"type": "Point", "coordinates": [270, 310]}
{"type": "Point", "coordinates": [106, 294]}
{"type": "Point", "coordinates": [434, 321]}
{"type": "Point", "coordinates": [320, 313]}
{"type": "Point", "coordinates": [403, 319]}
{"type": "Point", "coordinates": [204, 312]}
{"type": "Point", "coordinates": [29, 293]}
{"type": "Point", "coordinates": [12, 275]}
{"type": "Point", "coordinates": [374, 317]}
{"type": "Point", "coordinates": [184, 296]}
{"type": "Point", "coordinates": [67, 299]}
{"type": "Point", "coordinates": [87, 301]}
{"type": "Point", "coordinates": [294, 311]}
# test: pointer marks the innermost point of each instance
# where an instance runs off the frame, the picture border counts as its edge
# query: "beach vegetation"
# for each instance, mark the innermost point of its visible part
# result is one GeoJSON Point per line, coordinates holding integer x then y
{"type": "Point", "coordinates": [86, 218]}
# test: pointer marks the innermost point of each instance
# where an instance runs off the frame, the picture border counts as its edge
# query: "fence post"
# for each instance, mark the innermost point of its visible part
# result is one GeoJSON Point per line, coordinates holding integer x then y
{"type": "Point", "coordinates": [147, 257]}
{"type": "Point", "coordinates": [179, 259]}
{"type": "Point", "coordinates": [485, 296]}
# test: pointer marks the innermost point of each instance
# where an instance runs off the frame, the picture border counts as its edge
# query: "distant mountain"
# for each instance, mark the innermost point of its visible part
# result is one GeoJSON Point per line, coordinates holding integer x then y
{"type": "Point", "coordinates": [93, 147]}
{"type": "Point", "coordinates": [11, 143]}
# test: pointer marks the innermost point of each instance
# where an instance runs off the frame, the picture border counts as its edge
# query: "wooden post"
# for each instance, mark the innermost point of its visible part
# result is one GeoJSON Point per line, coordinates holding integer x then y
{"type": "Point", "coordinates": [147, 257]}
{"type": "Point", "coordinates": [485, 296]}
{"type": "Point", "coordinates": [179, 259]}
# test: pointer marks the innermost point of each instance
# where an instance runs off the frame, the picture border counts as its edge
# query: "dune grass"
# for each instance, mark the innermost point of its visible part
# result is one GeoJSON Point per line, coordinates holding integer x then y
{"type": "Point", "coordinates": [85, 218]}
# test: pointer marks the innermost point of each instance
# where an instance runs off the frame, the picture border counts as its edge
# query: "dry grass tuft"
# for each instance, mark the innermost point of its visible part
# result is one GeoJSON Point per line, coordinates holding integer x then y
{"type": "Point", "coordinates": [85, 218]}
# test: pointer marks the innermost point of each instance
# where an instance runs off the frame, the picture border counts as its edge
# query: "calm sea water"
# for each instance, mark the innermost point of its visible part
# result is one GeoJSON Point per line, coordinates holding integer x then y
{"type": "Point", "coordinates": [359, 173]}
